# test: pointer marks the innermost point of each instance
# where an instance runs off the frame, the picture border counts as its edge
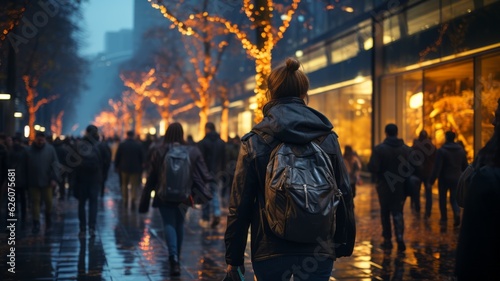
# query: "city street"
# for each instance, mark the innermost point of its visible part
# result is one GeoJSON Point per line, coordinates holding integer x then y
{"type": "Point", "coordinates": [130, 246]}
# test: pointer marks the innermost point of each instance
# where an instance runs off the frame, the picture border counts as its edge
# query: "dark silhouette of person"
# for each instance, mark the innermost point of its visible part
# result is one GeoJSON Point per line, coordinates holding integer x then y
{"type": "Point", "coordinates": [425, 151]}
{"type": "Point", "coordinates": [451, 161]}
{"type": "Point", "coordinates": [478, 244]}
{"type": "Point", "coordinates": [385, 163]}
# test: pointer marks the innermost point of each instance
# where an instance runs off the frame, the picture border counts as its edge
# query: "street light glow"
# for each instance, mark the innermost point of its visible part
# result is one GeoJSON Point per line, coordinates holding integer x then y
{"type": "Point", "coordinates": [4, 96]}
{"type": "Point", "coordinates": [18, 114]}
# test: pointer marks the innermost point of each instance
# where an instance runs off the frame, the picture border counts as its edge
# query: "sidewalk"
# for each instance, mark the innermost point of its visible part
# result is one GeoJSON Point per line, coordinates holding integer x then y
{"type": "Point", "coordinates": [130, 246]}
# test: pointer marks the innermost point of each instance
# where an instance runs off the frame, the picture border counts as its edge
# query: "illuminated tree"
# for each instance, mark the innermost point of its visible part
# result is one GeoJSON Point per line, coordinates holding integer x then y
{"type": "Point", "coordinates": [108, 122]}
{"type": "Point", "coordinates": [56, 124]}
{"type": "Point", "coordinates": [204, 44]}
{"type": "Point", "coordinates": [32, 105]}
{"type": "Point", "coordinates": [40, 70]}
{"type": "Point", "coordinates": [260, 13]}
{"type": "Point", "coordinates": [139, 83]}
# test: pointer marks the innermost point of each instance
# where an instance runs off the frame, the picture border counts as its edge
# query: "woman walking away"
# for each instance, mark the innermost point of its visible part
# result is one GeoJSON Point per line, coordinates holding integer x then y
{"type": "Point", "coordinates": [173, 213]}
{"type": "Point", "coordinates": [289, 127]}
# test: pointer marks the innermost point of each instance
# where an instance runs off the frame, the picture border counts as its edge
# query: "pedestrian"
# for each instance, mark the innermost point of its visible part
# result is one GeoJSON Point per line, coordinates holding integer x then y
{"type": "Point", "coordinates": [451, 161]}
{"type": "Point", "coordinates": [42, 180]}
{"type": "Point", "coordinates": [173, 214]}
{"type": "Point", "coordinates": [4, 165]}
{"type": "Point", "coordinates": [88, 178]}
{"type": "Point", "coordinates": [232, 150]}
{"type": "Point", "coordinates": [19, 162]}
{"type": "Point", "coordinates": [353, 165]}
{"type": "Point", "coordinates": [129, 161]}
{"type": "Point", "coordinates": [478, 245]}
{"type": "Point", "coordinates": [426, 152]}
{"type": "Point", "coordinates": [287, 118]}
{"type": "Point", "coordinates": [61, 157]}
{"type": "Point", "coordinates": [213, 149]}
{"type": "Point", "coordinates": [483, 157]}
{"type": "Point", "coordinates": [105, 152]}
{"type": "Point", "coordinates": [385, 163]}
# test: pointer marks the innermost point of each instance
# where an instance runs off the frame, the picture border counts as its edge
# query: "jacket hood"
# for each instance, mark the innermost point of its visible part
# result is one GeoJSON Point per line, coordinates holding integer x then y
{"type": "Point", "coordinates": [452, 146]}
{"type": "Point", "coordinates": [393, 141]}
{"type": "Point", "coordinates": [291, 120]}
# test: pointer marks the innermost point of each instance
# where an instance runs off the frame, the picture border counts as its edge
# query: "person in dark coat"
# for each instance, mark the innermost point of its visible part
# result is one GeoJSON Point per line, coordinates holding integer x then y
{"type": "Point", "coordinates": [19, 161]}
{"type": "Point", "coordinates": [425, 151]}
{"type": "Point", "coordinates": [42, 180]}
{"type": "Point", "coordinates": [105, 151]}
{"type": "Point", "coordinates": [386, 163]}
{"type": "Point", "coordinates": [483, 157]}
{"type": "Point", "coordinates": [286, 118]}
{"type": "Point", "coordinates": [61, 157]}
{"type": "Point", "coordinates": [88, 179]}
{"type": "Point", "coordinates": [173, 214]}
{"type": "Point", "coordinates": [451, 161]}
{"type": "Point", "coordinates": [213, 149]}
{"type": "Point", "coordinates": [478, 244]}
{"type": "Point", "coordinates": [129, 161]}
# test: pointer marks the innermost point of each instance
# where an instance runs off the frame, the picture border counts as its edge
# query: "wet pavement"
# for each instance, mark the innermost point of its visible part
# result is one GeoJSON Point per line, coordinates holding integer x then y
{"type": "Point", "coordinates": [130, 246]}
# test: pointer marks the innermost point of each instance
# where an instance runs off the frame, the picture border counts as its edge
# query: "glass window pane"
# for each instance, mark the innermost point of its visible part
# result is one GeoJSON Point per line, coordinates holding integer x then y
{"type": "Point", "coordinates": [448, 104]}
{"type": "Point", "coordinates": [349, 109]}
{"type": "Point", "coordinates": [411, 89]}
{"type": "Point", "coordinates": [490, 93]}
{"type": "Point", "coordinates": [423, 16]}
{"type": "Point", "coordinates": [345, 48]}
{"type": "Point", "coordinates": [454, 8]}
{"type": "Point", "coordinates": [391, 30]}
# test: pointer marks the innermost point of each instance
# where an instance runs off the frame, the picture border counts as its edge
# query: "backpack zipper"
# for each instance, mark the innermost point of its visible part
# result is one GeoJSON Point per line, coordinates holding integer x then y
{"type": "Point", "coordinates": [283, 179]}
{"type": "Point", "coordinates": [307, 199]}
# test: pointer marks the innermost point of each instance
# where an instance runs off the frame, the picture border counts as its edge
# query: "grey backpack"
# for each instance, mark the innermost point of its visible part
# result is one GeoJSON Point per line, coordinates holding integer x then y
{"type": "Point", "coordinates": [176, 179]}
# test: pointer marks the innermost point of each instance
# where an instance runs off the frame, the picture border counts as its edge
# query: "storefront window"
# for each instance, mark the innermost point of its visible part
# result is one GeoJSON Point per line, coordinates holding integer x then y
{"type": "Point", "coordinates": [411, 87]}
{"type": "Point", "coordinates": [349, 109]}
{"type": "Point", "coordinates": [490, 93]}
{"type": "Point", "coordinates": [448, 104]}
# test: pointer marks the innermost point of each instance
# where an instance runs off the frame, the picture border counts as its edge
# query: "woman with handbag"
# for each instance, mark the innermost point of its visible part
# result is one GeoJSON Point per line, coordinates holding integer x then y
{"type": "Point", "coordinates": [173, 213]}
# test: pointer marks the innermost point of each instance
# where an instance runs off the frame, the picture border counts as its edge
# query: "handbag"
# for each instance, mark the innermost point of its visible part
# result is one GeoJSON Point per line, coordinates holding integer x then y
{"type": "Point", "coordinates": [144, 201]}
{"type": "Point", "coordinates": [201, 193]}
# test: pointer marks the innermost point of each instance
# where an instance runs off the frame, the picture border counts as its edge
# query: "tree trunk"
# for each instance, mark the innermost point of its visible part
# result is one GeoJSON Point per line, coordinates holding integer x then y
{"type": "Point", "coordinates": [224, 119]}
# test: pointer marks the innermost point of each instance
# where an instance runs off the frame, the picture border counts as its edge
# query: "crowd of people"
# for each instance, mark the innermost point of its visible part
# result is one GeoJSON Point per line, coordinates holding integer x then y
{"type": "Point", "coordinates": [236, 171]}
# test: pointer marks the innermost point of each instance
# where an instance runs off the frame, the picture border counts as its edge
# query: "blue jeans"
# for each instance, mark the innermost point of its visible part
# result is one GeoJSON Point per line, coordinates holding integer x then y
{"type": "Point", "coordinates": [88, 192]}
{"type": "Point", "coordinates": [311, 268]}
{"type": "Point", "coordinates": [173, 222]}
{"type": "Point", "coordinates": [213, 205]}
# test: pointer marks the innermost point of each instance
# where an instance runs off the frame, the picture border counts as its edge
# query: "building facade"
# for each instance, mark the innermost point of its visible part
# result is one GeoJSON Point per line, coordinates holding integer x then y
{"type": "Point", "coordinates": [428, 64]}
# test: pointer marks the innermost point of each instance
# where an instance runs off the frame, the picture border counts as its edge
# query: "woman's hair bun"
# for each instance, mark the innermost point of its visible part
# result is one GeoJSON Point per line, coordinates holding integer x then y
{"type": "Point", "coordinates": [292, 64]}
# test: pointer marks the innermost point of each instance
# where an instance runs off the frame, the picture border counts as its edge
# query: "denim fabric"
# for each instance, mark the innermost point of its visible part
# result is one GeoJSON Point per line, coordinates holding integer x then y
{"type": "Point", "coordinates": [213, 206]}
{"type": "Point", "coordinates": [173, 222]}
{"type": "Point", "coordinates": [311, 268]}
{"type": "Point", "coordinates": [89, 192]}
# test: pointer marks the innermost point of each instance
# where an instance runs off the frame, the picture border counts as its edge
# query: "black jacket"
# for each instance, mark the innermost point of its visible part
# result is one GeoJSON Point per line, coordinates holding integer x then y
{"type": "Point", "coordinates": [451, 161]}
{"type": "Point", "coordinates": [201, 175]}
{"type": "Point", "coordinates": [478, 244]}
{"type": "Point", "coordinates": [287, 120]}
{"type": "Point", "coordinates": [129, 157]}
{"type": "Point", "coordinates": [390, 164]}
{"type": "Point", "coordinates": [213, 149]}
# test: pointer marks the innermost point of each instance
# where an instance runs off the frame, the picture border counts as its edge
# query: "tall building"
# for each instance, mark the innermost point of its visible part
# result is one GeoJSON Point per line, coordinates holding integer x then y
{"type": "Point", "coordinates": [118, 41]}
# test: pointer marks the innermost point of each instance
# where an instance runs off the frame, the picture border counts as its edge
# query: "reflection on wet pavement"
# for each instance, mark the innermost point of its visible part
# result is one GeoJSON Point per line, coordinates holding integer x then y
{"type": "Point", "coordinates": [130, 246]}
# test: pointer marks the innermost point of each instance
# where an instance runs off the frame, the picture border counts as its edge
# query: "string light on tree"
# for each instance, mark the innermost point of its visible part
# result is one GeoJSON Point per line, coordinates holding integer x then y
{"type": "Point", "coordinates": [260, 14]}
